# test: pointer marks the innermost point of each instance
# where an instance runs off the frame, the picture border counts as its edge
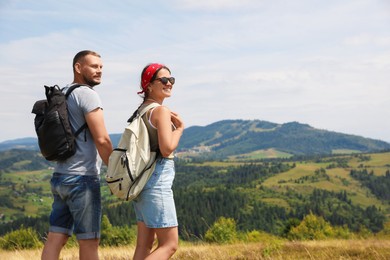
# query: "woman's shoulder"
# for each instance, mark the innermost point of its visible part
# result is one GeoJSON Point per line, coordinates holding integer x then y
{"type": "Point", "coordinates": [158, 109]}
{"type": "Point", "coordinates": [163, 109]}
{"type": "Point", "coordinates": [161, 112]}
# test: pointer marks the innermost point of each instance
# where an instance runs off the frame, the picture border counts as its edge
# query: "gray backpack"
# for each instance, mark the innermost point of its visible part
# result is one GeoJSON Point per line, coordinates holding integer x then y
{"type": "Point", "coordinates": [132, 163]}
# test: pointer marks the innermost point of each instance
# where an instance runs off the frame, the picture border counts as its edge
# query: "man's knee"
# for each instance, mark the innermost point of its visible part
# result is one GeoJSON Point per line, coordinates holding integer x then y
{"type": "Point", "coordinates": [89, 243]}
{"type": "Point", "coordinates": [57, 239]}
{"type": "Point", "coordinates": [88, 249]}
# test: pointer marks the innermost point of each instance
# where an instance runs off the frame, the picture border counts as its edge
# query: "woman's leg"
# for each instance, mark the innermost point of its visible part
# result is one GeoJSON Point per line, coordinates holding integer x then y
{"type": "Point", "coordinates": [168, 242]}
{"type": "Point", "coordinates": [145, 239]}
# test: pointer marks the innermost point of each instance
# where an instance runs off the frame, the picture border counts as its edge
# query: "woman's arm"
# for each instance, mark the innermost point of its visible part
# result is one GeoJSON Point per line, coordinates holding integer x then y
{"type": "Point", "coordinates": [168, 139]}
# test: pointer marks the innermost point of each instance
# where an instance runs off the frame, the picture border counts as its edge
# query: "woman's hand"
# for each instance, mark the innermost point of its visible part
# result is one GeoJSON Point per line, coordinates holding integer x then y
{"type": "Point", "coordinates": [177, 121]}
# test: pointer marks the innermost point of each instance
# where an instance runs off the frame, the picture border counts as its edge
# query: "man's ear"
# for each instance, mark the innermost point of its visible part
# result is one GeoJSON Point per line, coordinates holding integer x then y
{"type": "Point", "coordinates": [77, 67]}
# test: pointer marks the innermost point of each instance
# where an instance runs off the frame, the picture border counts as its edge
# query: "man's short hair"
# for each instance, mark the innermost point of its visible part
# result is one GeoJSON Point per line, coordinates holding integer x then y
{"type": "Point", "coordinates": [80, 55]}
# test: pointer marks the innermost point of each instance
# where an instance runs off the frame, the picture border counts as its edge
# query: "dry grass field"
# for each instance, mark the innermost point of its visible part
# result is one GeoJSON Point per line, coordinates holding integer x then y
{"type": "Point", "coordinates": [329, 249]}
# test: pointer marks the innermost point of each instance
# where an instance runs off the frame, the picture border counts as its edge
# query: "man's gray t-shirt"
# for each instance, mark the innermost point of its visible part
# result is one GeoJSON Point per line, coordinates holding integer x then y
{"type": "Point", "coordinates": [86, 161]}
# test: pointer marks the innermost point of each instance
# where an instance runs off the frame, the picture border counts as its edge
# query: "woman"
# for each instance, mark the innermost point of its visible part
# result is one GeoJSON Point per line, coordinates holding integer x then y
{"type": "Point", "coordinates": [155, 206]}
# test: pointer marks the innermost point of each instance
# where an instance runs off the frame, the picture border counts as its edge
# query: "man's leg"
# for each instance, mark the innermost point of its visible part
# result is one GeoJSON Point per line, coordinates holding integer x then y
{"type": "Point", "coordinates": [54, 243]}
{"type": "Point", "coordinates": [85, 206]}
{"type": "Point", "coordinates": [89, 249]}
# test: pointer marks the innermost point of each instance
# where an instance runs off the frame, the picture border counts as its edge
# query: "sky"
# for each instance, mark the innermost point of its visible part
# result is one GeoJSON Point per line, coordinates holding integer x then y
{"type": "Point", "coordinates": [322, 63]}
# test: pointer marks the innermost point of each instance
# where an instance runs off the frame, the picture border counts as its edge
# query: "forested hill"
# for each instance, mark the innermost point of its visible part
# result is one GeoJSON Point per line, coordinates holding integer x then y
{"type": "Point", "coordinates": [233, 137]}
{"type": "Point", "coordinates": [28, 143]}
{"type": "Point", "coordinates": [236, 137]}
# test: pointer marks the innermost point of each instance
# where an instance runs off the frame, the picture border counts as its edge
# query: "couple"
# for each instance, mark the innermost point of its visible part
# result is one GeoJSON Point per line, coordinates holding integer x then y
{"type": "Point", "coordinates": [75, 182]}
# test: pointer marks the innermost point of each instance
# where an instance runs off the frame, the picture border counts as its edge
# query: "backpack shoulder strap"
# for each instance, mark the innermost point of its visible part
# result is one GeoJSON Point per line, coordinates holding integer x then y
{"type": "Point", "coordinates": [73, 87]}
{"type": "Point", "coordinates": [68, 91]}
{"type": "Point", "coordinates": [140, 113]}
{"type": "Point", "coordinates": [145, 109]}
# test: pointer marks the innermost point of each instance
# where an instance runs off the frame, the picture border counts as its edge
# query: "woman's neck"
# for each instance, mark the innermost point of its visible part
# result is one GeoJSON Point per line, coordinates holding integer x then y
{"type": "Point", "coordinates": [152, 100]}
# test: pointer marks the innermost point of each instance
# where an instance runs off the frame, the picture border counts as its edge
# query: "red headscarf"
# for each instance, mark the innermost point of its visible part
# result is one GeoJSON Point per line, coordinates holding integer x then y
{"type": "Point", "coordinates": [148, 74]}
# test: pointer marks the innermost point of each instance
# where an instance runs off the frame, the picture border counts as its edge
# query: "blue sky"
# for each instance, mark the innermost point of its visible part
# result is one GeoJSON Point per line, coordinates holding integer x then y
{"type": "Point", "coordinates": [322, 63]}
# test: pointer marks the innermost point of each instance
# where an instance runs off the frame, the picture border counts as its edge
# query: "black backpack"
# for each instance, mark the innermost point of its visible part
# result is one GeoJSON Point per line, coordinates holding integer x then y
{"type": "Point", "coordinates": [55, 137]}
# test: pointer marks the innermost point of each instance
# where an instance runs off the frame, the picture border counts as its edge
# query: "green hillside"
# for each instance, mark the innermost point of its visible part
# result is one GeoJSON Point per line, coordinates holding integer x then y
{"type": "Point", "coordinates": [265, 194]}
{"type": "Point", "coordinates": [333, 174]}
{"type": "Point", "coordinates": [22, 160]}
{"type": "Point", "coordinates": [24, 194]}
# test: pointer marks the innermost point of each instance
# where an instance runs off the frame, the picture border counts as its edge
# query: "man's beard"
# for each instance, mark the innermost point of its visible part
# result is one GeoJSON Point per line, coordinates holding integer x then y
{"type": "Point", "coordinates": [91, 82]}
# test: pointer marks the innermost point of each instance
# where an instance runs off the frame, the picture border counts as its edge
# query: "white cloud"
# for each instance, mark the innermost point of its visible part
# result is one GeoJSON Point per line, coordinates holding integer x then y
{"type": "Point", "coordinates": [216, 5]}
{"type": "Point", "coordinates": [368, 39]}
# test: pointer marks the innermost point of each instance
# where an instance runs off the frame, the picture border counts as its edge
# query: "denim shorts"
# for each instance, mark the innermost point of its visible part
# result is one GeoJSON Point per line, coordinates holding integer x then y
{"type": "Point", "coordinates": [77, 205]}
{"type": "Point", "coordinates": [155, 205]}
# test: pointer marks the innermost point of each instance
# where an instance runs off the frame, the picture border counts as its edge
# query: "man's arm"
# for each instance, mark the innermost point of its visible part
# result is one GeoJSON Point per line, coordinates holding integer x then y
{"type": "Point", "coordinates": [96, 126]}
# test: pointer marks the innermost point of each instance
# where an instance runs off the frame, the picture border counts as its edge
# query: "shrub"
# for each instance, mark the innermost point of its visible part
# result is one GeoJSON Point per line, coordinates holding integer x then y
{"type": "Point", "coordinates": [311, 228]}
{"type": "Point", "coordinates": [116, 236]}
{"type": "Point", "coordinates": [253, 236]}
{"type": "Point", "coordinates": [24, 238]}
{"type": "Point", "coordinates": [342, 232]}
{"type": "Point", "coordinates": [363, 232]}
{"type": "Point", "coordinates": [272, 244]}
{"type": "Point", "coordinates": [257, 236]}
{"type": "Point", "coordinates": [223, 231]}
{"type": "Point", "coordinates": [385, 233]}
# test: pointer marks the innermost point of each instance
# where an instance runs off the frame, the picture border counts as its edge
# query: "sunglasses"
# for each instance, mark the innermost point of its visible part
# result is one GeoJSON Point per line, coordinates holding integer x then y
{"type": "Point", "coordinates": [164, 80]}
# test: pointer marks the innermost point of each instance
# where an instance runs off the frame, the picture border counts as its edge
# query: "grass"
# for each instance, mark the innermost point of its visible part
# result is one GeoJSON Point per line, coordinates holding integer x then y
{"type": "Point", "coordinates": [329, 249]}
{"type": "Point", "coordinates": [301, 170]}
{"type": "Point", "coordinates": [344, 151]}
{"type": "Point", "coordinates": [261, 154]}
{"type": "Point", "coordinates": [379, 163]}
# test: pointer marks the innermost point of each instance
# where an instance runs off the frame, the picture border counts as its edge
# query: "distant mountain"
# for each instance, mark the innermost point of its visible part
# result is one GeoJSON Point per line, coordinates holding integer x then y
{"type": "Point", "coordinates": [235, 137]}
{"type": "Point", "coordinates": [31, 143]}
{"type": "Point", "coordinates": [28, 143]}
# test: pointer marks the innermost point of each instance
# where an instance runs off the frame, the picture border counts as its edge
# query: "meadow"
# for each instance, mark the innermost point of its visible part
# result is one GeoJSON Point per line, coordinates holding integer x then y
{"type": "Point", "coordinates": [366, 249]}
{"type": "Point", "coordinates": [25, 193]}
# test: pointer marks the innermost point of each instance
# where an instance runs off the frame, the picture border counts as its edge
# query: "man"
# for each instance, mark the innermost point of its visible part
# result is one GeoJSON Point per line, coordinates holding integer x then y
{"type": "Point", "coordinates": [75, 182]}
